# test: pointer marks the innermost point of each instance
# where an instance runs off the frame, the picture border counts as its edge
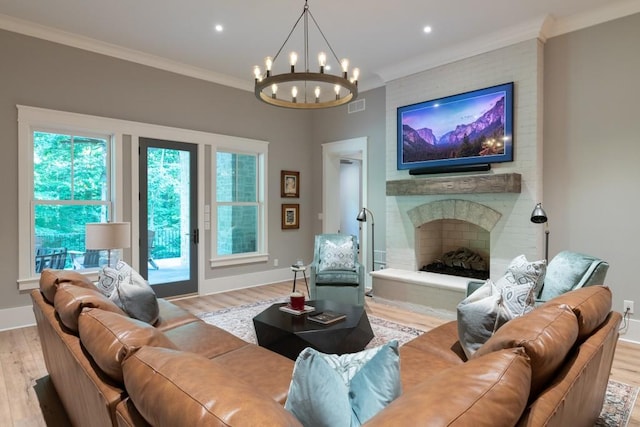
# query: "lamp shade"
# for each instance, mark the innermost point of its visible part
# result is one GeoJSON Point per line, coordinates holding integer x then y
{"type": "Point", "coordinates": [108, 235]}
{"type": "Point", "coordinates": [362, 216]}
{"type": "Point", "coordinates": [538, 216]}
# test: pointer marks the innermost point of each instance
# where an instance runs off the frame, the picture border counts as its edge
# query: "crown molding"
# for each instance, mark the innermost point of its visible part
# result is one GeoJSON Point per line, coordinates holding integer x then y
{"type": "Point", "coordinates": [594, 17]}
{"type": "Point", "coordinates": [27, 28]}
{"type": "Point", "coordinates": [509, 36]}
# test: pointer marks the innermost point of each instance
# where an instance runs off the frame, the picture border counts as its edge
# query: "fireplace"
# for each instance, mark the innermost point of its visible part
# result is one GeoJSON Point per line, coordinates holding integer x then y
{"type": "Point", "coordinates": [453, 246]}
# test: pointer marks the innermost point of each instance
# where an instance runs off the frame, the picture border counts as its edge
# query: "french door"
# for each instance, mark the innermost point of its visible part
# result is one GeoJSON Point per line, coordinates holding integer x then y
{"type": "Point", "coordinates": [168, 216]}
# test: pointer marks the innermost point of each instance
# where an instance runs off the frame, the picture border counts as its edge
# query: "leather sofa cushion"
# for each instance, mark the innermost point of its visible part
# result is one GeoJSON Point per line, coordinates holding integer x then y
{"type": "Point", "coordinates": [174, 388]}
{"type": "Point", "coordinates": [546, 334]}
{"type": "Point", "coordinates": [591, 305]}
{"type": "Point", "coordinates": [268, 372]}
{"type": "Point", "coordinates": [203, 339]}
{"type": "Point", "coordinates": [171, 315]}
{"type": "Point", "coordinates": [487, 391]}
{"type": "Point", "coordinates": [69, 301]}
{"type": "Point", "coordinates": [51, 279]}
{"type": "Point", "coordinates": [110, 338]}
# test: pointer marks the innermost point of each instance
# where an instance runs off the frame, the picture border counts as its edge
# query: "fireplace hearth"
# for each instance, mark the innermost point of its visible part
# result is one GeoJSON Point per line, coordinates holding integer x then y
{"type": "Point", "coordinates": [462, 262]}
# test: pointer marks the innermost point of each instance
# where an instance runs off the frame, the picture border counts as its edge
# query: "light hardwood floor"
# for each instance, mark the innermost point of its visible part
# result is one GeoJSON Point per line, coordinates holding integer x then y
{"type": "Point", "coordinates": [27, 397]}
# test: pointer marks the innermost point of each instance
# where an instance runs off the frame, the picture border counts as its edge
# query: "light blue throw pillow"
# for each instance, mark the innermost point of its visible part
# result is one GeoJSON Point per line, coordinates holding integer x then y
{"type": "Point", "coordinates": [331, 390]}
{"type": "Point", "coordinates": [338, 256]}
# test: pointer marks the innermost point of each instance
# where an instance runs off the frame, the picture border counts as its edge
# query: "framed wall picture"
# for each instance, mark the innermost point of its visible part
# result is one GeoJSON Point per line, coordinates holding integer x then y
{"type": "Point", "coordinates": [289, 184]}
{"type": "Point", "coordinates": [290, 216]}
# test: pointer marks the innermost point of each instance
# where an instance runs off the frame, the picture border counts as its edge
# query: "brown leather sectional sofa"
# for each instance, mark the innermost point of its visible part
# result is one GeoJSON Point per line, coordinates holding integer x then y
{"type": "Point", "coordinates": [549, 367]}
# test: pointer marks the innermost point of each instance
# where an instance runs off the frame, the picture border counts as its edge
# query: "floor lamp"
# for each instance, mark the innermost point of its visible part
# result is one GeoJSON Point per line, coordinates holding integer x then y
{"type": "Point", "coordinates": [362, 217]}
{"type": "Point", "coordinates": [108, 236]}
{"type": "Point", "coordinates": [539, 216]}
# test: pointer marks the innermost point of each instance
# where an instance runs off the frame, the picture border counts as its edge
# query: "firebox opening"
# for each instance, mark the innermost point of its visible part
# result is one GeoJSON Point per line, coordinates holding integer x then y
{"type": "Point", "coordinates": [455, 247]}
{"type": "Point", "coordinates": [461, 262]}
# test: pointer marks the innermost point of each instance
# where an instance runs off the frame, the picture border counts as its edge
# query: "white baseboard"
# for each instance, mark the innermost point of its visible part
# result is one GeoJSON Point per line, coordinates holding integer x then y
{"type": "Point", "coordinates": [17, 317]}
{"type": "Point", "coordinates": [250, 280]}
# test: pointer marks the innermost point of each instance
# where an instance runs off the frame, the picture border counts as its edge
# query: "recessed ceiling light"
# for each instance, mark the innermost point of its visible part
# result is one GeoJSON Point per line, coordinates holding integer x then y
{"type": "Point", "coordinates": [427, 29]}
{"type": "Point", "coordinates": [219, 28]}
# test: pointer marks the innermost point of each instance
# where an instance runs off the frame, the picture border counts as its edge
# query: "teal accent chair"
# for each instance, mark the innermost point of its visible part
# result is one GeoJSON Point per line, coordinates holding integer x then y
{"type": "Point", "coordinates": [572, 270]}
{"type": "Point", "coordinates": [567, 271]}
{"type": "Point", "coordinates": [335, 273]}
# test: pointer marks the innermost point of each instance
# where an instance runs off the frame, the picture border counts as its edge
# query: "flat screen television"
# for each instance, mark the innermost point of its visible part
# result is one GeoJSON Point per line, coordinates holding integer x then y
{"type": "Point", "coordinates": [471, 128]}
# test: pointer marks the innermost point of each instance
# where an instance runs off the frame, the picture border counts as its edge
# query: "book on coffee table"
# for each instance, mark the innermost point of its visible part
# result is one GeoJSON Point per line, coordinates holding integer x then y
{"type": "Point", "coordinates": [288, 309]}
{"type": "Point", "coordinates": [326, 317]}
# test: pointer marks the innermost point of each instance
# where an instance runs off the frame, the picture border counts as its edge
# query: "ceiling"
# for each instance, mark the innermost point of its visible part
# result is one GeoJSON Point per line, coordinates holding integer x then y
{"type": "Point", "coordinates": [384, 39]}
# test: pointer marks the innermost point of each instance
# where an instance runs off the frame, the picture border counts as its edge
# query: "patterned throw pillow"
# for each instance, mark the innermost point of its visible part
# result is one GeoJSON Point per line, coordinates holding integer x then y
{"type": "Point", "coordinates": [491, 306]}
{"type": "Point", "coordinates": [108, 277]}
{"type": "Point", "coordinates": [529, 272]}
{"type": "Point", "coordinates": [336, 256]}
{"type": "Point", "coordinates": [347, 390]}
{"type": "Point", "coordinates": [129, 291]}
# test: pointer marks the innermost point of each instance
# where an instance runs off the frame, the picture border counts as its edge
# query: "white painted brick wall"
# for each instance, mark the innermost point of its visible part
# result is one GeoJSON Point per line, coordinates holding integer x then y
{"type": "Point", "coordinates": [514, 234]}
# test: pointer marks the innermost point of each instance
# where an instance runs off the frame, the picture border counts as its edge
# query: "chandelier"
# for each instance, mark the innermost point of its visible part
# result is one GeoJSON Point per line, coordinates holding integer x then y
{"type": "Point", "coordinates": [306, 89]}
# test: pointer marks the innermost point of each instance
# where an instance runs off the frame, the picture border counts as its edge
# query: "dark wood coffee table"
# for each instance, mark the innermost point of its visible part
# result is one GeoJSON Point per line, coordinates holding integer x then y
{"type": "Point", "coordinates": [289, 334]}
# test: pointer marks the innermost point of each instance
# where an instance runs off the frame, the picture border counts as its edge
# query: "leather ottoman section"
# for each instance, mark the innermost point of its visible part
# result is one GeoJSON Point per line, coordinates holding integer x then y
{"type": "Point", "coordinates": [171, 315]}
{"type": "Point", "coordinates": [416, 366]}
{"type": "Point", "coordinates": [441, 342]}
{"type": "Point", "coordinates": [265, 370]}
{"type": "Point", "coordinates": [203, 339]}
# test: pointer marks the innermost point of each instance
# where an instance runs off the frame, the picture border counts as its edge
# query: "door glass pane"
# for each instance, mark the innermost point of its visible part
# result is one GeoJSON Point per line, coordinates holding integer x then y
{"type": "Point", "coordinates": [168, 215]}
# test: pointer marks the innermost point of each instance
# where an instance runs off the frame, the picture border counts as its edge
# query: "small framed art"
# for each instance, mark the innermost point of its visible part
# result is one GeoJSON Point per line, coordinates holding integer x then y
{"type": "Point", "coordinates": [290, 216]}
{"type": "Point", "coordinates": [289, 184]}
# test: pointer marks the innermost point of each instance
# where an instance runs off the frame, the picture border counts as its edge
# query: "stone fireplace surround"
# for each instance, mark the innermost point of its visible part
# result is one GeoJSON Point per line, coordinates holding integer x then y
{"type": "Point", "coordinates": [429, 220]}
{"type": "Point", "coordinates": [479, 208]}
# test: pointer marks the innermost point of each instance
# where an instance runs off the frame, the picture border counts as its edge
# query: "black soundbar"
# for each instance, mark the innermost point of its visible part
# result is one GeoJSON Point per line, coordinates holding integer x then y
{"type": "Point", "coordinates": [451, 169]}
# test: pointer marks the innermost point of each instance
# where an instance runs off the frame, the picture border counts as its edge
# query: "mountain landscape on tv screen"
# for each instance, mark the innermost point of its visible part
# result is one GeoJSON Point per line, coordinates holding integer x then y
{"type": "Point", "coordinates": [483, 137]}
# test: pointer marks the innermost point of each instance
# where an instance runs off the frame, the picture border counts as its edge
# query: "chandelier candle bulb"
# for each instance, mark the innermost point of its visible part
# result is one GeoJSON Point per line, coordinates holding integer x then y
{"type": "Point", "coordinates": [293, 58]}
{"type": "Point", "coordinates": [317, 93]}
{"type": "Point", "coordinates": [274, 89]}
{"type": "Point", "coordinates": [257, 73]}
{"type": "Point", "coordinates": [322, 60]}
{"type": "Point", "coordinates": [294, 93]}
{"type": "Point", "coordinates": [356, 74]}
{"type": "Point", "coordinates": [268, 63]}
{"type": "Point", "coordinates": [345, 66]}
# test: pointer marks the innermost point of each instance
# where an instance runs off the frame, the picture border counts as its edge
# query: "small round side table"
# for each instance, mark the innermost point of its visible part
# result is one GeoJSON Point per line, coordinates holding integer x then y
{"type": "Point", "coordinates": [299, 269]}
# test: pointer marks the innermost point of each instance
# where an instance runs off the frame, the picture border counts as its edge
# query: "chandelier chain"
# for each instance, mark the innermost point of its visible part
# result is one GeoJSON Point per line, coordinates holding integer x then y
{"type": "Point", "coordinates": [289, 36]}
{"type": "Point", "coordinates": [323, 36]}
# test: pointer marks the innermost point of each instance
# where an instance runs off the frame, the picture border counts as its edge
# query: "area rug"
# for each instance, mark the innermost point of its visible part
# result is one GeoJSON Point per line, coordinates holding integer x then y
{"type": "Point", "coordinates": [619, 400]}
{"type": "Point", "coordinates": [238, 321]}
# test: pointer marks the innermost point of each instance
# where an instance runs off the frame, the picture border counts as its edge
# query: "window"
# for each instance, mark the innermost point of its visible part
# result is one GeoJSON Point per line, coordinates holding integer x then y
{"type": "Point", "coordinates": [69, 173]}
{"type": "Point", "coordinates": [70, 188]}
{"type": "Point", "coordinates": [239, 209]}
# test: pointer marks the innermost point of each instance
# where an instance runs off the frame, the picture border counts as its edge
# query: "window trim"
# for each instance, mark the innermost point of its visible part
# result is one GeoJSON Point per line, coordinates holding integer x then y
{"type": "Point", "coordinates": [260, 150]}
{"type": "Point", "coordinates": [30, 120]}
{"type": "Point", "coordinates": [122, 131]}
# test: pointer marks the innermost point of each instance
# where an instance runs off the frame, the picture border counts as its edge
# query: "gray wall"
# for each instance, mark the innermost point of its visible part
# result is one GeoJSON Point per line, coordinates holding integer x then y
{"type": "Point", "coordinates": [42, 74]}
{"type": "Point", "coordinates": [592, 147]}
{"type": "Point", "coordinates": [335, 124]}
